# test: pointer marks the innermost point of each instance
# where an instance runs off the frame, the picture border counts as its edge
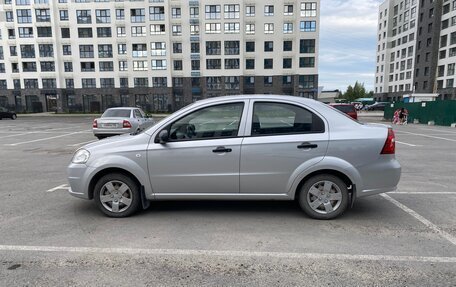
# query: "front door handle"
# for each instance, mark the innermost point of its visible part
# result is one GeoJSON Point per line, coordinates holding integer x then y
{"type": "Point", "coordinates": [307, 145]}
{"type": "Point", "coordinates": [221, 149]}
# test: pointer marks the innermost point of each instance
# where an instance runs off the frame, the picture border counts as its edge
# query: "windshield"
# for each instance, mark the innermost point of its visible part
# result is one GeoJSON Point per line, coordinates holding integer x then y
{"type": "Point", "coordinates": [117, 113]}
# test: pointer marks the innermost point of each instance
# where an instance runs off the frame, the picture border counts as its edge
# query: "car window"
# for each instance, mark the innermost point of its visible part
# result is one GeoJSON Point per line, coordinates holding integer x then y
{"type": "Point", "coordinates": [116, 113]}
{"type": "Point", "coordinates": [138, 114]}
{"type": "Point", "coordinates": [212, 122]}
{"type": "Point", "coordinates": [278, 119]}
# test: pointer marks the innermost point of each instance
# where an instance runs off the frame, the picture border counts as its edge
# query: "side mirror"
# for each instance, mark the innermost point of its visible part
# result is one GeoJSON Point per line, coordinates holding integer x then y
{"type": "Point", "coordinates": [163, 137]}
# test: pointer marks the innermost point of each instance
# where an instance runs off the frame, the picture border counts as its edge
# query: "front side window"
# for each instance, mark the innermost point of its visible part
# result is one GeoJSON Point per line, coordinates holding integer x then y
{"type": "Point", "coordinates": [279, 119]}
{"type": "Point", "coordinates": [221, 121]}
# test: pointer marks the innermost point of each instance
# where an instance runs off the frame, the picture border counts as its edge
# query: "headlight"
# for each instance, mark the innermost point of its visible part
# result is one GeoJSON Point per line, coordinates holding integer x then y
{"type": "Point", "coordinates": [81, 156]}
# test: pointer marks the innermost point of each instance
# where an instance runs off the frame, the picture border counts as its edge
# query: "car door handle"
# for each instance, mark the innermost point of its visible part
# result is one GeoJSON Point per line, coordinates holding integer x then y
{"type": "Point", "coordinates": [307, 145]}
{"type": "Point", "coordinates": [221, 149]}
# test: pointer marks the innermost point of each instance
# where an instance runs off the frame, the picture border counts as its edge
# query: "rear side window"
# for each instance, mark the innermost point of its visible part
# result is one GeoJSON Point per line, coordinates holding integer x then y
{"type": "Point", "coordinates": [138, 114]}
{"type": "Point", "coordinates": [279, 119]}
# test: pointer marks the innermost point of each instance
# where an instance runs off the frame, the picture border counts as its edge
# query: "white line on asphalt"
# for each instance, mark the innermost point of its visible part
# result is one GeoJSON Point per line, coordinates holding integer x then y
{"type": "Point", "coordinates": [63, 187]}
{"type": "Point", "coordinates": [82, 143]}
{"type": "Point", "coordinates": [428, 136]}
{"type": "Point", "coordinates": [422, 192]}
{"type": "Point", "coordinates": [420, 218]}
{"type": "Point", "coordinates": [406, 143]}
{"type": "Point", "coordinates": [43, 139]}
{"type": "Point", "coordinates": [437, 130]}
{"type": "Point", "coordinates": [227, 253]}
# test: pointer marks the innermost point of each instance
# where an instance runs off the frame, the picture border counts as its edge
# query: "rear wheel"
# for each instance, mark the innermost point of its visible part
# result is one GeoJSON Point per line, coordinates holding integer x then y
{"type": "Point", "coordinates": [117, 195]}
{"type": "Point", "coordinates": [324, 196]}
{"type": "Point", "coordinates": [13, 117]}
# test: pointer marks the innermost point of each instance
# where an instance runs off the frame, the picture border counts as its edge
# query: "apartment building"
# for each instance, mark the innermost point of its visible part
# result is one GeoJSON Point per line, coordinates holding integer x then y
{"type": "Point", "coordinates": [416, 49]}
{"type": "Point", "coordinates": [86, 56]}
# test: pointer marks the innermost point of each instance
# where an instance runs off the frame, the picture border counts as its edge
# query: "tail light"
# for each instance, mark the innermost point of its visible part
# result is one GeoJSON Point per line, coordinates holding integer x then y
{"type": "Point", "coordinates": [94, 124]}
{"type": "Point", "coordinates": [126, 124]}
{"type": "Point", "coordinates": [390, 143]}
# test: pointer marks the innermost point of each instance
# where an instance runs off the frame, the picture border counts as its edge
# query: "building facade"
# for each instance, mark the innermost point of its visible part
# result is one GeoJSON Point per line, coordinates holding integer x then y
{"type": "Point", "coordinates": [416, 49]}
{"type": "Point", "coordinates": [86, 56]}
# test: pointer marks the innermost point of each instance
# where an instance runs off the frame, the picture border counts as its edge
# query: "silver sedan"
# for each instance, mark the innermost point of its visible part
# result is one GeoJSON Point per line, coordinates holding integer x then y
{"type": "Point", "coordinates": [253, 147]}
{"type": "Point", "coordinates": [116, 121]}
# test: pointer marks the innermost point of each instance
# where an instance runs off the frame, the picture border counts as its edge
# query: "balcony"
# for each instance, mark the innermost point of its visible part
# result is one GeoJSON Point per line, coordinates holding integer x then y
{"type": "Point", "coordinates": [194, 21]}
{"type": "Point", "coordinates": [193, 3]}
{"type": "Point", "coordinates": [195, 56]}
{"type": "Point", "coordinates": [194, 38]}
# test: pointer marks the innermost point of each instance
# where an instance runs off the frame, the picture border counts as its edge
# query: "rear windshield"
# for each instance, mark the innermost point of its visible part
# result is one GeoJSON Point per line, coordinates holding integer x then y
{"type": "Point", "coordinates": [345, 108]}
{"type": "Point", "coordinates": [116, 114]}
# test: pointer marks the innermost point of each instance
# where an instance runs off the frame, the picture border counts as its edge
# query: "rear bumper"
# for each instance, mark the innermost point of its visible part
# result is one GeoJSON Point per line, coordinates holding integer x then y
{"type": "Point", "coordinates": [379, 177]}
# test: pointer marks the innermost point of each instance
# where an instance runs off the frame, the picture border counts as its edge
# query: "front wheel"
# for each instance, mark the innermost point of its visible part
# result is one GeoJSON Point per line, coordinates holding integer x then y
{"type": "Point", "coordinates": [13, 117]}
{"type": "Point", "coordinates": [117, 195]}
{"type": "Point", "coordinates": [324, 196]}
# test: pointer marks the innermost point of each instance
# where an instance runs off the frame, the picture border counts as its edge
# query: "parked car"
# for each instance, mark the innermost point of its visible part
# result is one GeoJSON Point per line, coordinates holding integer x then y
{"type": "Point", "coordinates": [5, 113]}
{"type": "Point", "coordinates": [116, 121]}
{"type": "Point", "coordinates": [377, 107]}
{"type": "Point", "coordinates": [348, 109]}
{"type": "Point", "coordinates": [251, 147]}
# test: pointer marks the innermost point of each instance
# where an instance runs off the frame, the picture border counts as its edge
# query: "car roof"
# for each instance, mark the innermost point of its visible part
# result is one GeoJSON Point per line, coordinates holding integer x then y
{"type": "Point", "coordinates": [123, 108]}
{"type": "Point", "coordinates": [260, 96]}
{"type": "Point", "coordinates": [340, 104]}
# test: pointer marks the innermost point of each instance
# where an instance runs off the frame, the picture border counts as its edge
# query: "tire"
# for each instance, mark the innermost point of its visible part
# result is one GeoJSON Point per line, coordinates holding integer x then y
{"type": "Point", "coordinates": [319, 202]}
{"type": "Point", "coordinates": [100, 137]}
{"type": "Point", "coordinates": [117, 195]}
{"type": "Point", "coordinates": [13, 117]}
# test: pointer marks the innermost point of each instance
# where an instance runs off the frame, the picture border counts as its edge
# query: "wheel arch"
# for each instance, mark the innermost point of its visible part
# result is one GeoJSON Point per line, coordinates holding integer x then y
{"type": "Point", "coordinates": [109, 170]}
{"type": "Point", "coordinates": [334, 172]}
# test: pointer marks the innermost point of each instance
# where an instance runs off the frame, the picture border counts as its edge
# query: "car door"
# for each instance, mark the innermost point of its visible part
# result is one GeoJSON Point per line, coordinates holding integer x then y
{"type": "Point", "coordinates": [202, 153]}
{"type": "Point", "coordinates": [284, 138]}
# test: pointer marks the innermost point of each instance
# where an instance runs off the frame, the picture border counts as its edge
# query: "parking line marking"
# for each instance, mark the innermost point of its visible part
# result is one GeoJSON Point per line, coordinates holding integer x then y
{"type": "Point", "coordinates": [44, 139]}
{"type": "Point", "coordinates": [228, 253]}
{"type": "Point", "coordinates": [422, 192]}
{"type": "Point", "coordinates": [420, 218]}
{"type": "Point", "coordinates": [437, 130]}
{"type": "Point", "coordinates": [63, 187]}
{"type": "Point", "coordinates": [406, 143]}
{"type": "Point", "coordinates": [82, 143]}
{"type": "Point", "coordinates": [428, 136]}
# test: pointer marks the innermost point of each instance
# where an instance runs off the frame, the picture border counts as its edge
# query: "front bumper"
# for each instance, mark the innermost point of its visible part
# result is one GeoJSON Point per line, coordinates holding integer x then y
{"type": "Point", "coordinates": [78, 178]}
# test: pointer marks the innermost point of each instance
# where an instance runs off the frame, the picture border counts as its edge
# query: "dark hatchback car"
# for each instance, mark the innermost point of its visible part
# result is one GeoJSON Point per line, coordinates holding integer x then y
{"type": "Point", "coordinates": [4, 113]}
{"type": "Point", "coordinates": [377, 107]}
{"type": "Point", "coordinates": [348, 109]}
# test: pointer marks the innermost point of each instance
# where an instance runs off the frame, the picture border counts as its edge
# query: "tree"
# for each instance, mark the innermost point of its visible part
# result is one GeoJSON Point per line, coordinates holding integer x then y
{"type": "Point", "coordinates": [353, 93]}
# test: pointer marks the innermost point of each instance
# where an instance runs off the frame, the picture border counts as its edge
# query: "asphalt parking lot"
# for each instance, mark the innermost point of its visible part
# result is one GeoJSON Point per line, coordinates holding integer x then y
{"type": "Point", "coordinates": [48, 238]}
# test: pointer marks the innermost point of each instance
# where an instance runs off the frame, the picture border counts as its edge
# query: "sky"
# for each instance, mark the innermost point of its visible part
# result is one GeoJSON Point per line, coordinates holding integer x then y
{"type": "Point", "coordinates": [348, 43]}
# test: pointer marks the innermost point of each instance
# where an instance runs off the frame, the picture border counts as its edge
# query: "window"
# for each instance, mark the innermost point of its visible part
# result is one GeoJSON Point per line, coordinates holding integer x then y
{"type": "Point", "coordinates": [268, 28]}
{"type": "Point", "coordinates": [63, 15]}
{"type": "Point", "coordinates": [46, 50]}
{"type": "Point", "coordinates": [159, 82]}
{"type": "Point", "coordinates": [27, 51]}
{"type": "Point", "coordinates": [287, 46]}
{"type": "Point", "coordinates": [250, 11]}
{"type": "Point", "coordinates": [287, 62]}
{"type": "Point", "coordinates": [83, 17]}
{"type": "Point", "coordinates": [44, 15]}
{"type": "Point", "coordinates": [22, 2]}
{"type": "Point", "coordinates": [287, 28]}
{"type": "Point", "coordinates": [213, 48]}
{"type": "Point", "coordinates": [232, 27]}
{"type": "Point", "coordinates": [158, 64]}
{"type": "Point", "coordinates": [194, 126]}
{"type": "Point", "coordinates": [89, 83]}
{"type": "Point", "coordinates": [214, 83]}
{"type": "Point", "coordinates": [196, 65]}
{"type": "Point", "coordinates": [31, 83]}
{"type": "Point", "coordinates": [9, 16]}
{"type": "Point", "coordinates": [85, 33]}
{"type": "Point", "coordinates": [287, 80]}
{"type": "Point", "coordinates": [177, 65]}
{"type": "Point", "coordinates": [106, 83]}
{"type": "Point", "coordinates": [212, 28]}
{"type": "Point", "coordinates": [86, 51]}
{"type": "Point", "coordinates": [278, 119]}
{"type": "Point", "coordinates": [177, 48]}
{"type": "Point", "coordinates": [268, 63]}
{"type": "Point", "coordinates": [105, 51]}
{"type": "Point", "coordinates": [44, 31]}
{"type": "Point", "coordinates": [195, 47]}
{"type": "Point", "coordinates": [123, 66]}
{"type": "Point", "coordinates": [269, 46]}
{"type": "Point", "coordinates": [175, 13]}
{"type": "Point", "coordinates": [194, 12]}
{"type": "Point", "coordinates": [141, 82]}
{"type": "Point", "coordinates": [87, 66]}
{"type": "Point", "coordinates": [105, 32]}
{"type": "Point", "coordinates": [231, 64]}
{"type": "Point", "coordinates": [309, 9]}
{"type": "Point", "coordinates": [138, 31]}
{"type": "Point", "coordinates": [307, 81]}
{"type": "Point", "coordinates": [137, 15]}
{"type": "Point", "coordinates": [177, 30]}
{"type": "Point", "coordinates": [13, 51]}
{"type": "Point", "coordinates": [250, 46]}
{"type": "Point", "coordinates": [103, 16]}
{"type": "Point", "coordinates": [106, 66]}
{"type": "Point", "coordinates": [139, 50]}
{"type": "Point", "coordinates": [157, 13]}
{"type": "Point", "coordinates": [65, 32]}
{"type": "Point", "coordinates": [212, 12]}
{"type": "Point", "coordinates": [288, 10]}
{"type": "Point", "coordinates": [158, 49]}
{"type": "Point", "coordinates": [140, 65]}
{"type": "Point", "coordinates": [194, 29]}
{"type": "Point", "coordinates": [122, 49]}
{"type": "Point", "coordinates": [250, 28]}
{"type": "Point", "coordinates": [306, 62]}
{"type": "Point", "coordinates": [307, 46]}
{"type": "Point", "coordinates": [3, 85]}
{"type": "Point", "coordinates": [49, 83]}
{"type": "Point", "coordinates": [269, 10]}
{"type": "Point", "coordinates": [250, 64]}
{"type": "Point", "coordinates": [157, 29]}
{"type": "Point", "coordinates": [120, 14]}
{"type": "Point", "coordinates": [24, 16]}
{"type": "Point", "coordinates": [121, 32]}
{"type": "Point", "coordinates": [231, 47]}
{"type": "Point", "coordinates": [29, 67]}
{"type": "Point", "coordinates": [178, 82]}
{"type": "Point", "coordinates": [69, 83]}
{"type": "Point", "coordinates": [232, 11]}
{"type": "Point", "coordinates": [308, 26]}
{"type": "Point", "coordinates": [66, 49]}
{"type": "Point", "coordinates": [68, 66]}
{"type": "Point", "coordinates": [25, 32]}
{"type": "Point", "coordinates": [213, 64]}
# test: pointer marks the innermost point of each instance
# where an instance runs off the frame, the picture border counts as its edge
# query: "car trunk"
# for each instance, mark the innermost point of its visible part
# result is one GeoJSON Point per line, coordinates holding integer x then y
{"type": "Point", "coordinates": [110, 123]}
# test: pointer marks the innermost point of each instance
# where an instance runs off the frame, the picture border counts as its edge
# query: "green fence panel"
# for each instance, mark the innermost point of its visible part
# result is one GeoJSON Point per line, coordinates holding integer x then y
{"type": "Point", "coordinates": [441, 112]}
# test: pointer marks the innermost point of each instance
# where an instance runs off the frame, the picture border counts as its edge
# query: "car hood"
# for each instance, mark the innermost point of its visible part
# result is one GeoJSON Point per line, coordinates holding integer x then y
{"type": "Point", "coordinates": [121, 142]}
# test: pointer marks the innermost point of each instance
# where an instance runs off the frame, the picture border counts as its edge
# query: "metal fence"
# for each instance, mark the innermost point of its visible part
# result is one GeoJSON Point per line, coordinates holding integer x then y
{"type": "Point", "coordinates": [441, 112]}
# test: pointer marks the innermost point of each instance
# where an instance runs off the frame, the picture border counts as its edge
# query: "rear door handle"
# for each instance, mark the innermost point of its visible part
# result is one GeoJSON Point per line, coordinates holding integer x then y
{"type": "Point", "coordinates": [221, 149]}
{"type": "Point", "coordinates": [306, 145]}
